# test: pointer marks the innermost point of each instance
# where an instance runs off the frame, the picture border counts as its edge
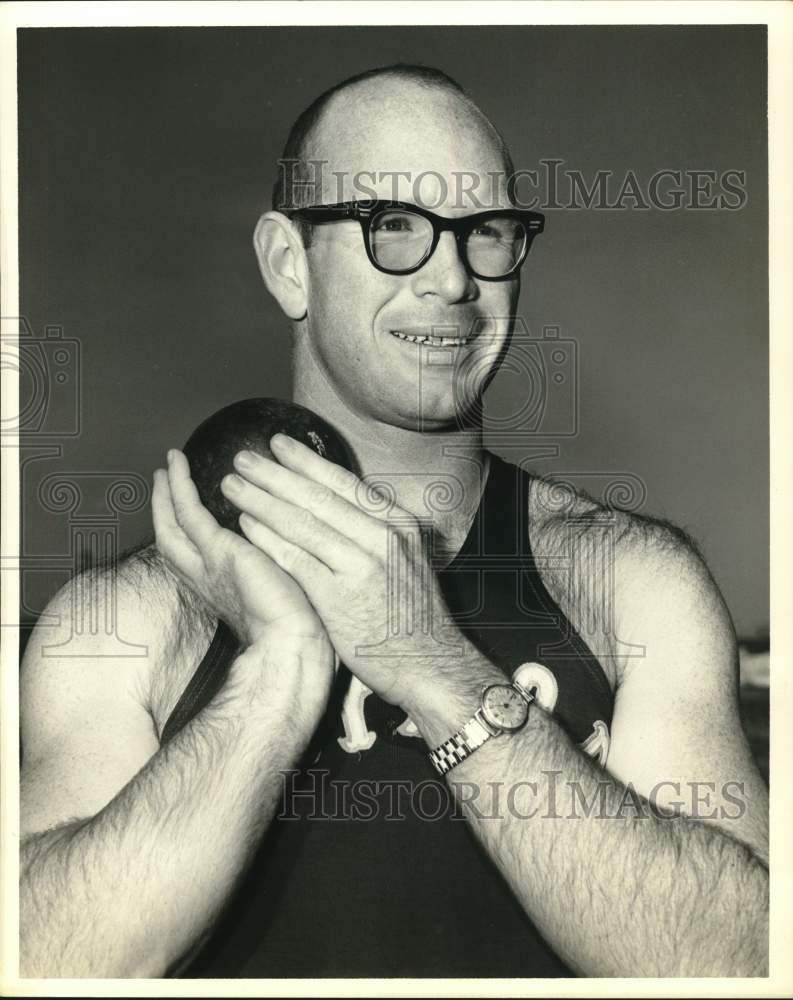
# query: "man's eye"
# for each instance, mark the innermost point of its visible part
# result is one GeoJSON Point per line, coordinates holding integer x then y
{"type": "Point", "coordinates": [394, 224]}
{"type": "Point", "coordinates": [499, 230]}
{"type": "Point", "coordinates": [485, 231]}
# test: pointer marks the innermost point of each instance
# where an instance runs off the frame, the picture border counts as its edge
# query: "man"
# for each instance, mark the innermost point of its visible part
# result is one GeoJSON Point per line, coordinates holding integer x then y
{"type": "Point", "coordinates": [160, 838]}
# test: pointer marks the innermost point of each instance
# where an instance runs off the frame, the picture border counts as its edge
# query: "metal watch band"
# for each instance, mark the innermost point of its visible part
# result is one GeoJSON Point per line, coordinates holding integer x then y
{"type": "Point", "coordinates": [454, 750]}
{"type": "Point", "coordinates": [469, 738]}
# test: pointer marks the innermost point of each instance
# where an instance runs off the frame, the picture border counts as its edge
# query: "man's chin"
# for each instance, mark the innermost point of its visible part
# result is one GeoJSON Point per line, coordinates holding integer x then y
{"type": "Point", "coordinates": [440, 419]}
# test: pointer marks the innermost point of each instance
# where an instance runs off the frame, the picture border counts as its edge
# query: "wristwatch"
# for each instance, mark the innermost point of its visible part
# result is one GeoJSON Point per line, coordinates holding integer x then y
{"type": "Point", "coordinates": [504, 709]}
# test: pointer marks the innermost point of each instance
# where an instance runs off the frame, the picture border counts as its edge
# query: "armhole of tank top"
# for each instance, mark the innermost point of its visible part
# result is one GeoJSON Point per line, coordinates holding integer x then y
{"type": "Point", "coordinates": [588, 658]}
{"type": "Point", "coordinates": [205, 683]}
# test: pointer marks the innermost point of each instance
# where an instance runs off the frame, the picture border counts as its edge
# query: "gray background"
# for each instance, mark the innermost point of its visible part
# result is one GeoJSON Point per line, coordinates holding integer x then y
{"type": "Point", "coordinates": [147, 154]}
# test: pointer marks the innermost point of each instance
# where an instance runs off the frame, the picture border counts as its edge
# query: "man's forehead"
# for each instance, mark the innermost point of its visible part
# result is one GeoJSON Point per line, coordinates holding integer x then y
{"type": "Point", "coordinates": [411, 143]}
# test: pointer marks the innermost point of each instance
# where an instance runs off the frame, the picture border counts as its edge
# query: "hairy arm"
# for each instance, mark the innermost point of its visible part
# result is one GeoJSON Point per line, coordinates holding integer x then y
{"type": "Point", "coordinates": [129, 851]}
{"type": "Point", "coordinates": [655, 866]}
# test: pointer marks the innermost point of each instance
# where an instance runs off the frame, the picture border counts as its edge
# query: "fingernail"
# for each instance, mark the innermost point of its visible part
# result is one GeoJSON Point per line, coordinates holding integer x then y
{"type": "Point", "coordinates": [244, 459]}
{"type": "Point", "coordinates": [282, 441]}
{"type": "Point", "coordinates": [170, 455]}
{"type": "Point", "coordinates": [232, 482]}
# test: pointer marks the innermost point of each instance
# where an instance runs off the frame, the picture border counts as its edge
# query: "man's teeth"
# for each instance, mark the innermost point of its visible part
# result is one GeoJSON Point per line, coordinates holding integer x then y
{"type": "Point", "coordinates": [431, 341]}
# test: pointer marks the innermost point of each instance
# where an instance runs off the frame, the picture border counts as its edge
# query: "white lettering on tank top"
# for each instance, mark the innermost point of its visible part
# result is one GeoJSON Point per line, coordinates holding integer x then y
{"type": "Point", "coordinates": [357, 736]}
{"type": "Point", "coordinates": [546, 693]}
{"type": "Point", "coordinates": [530, 676]}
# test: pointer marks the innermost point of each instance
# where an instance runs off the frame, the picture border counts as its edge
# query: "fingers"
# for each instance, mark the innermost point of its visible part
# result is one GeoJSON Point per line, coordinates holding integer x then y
{"type": "Point", "coordinates": [294, 524]}
{"type": "Point", "coordinates": [365, 497]}
{"type": "Point", "coordinates": [191, 515]}
{"type": "Point", "coordinates": [172, 542]}
{"type": "Point", "coordinates": [295, 455]}
{"type": "Point", "coordinates": [310, 573]}
{"type": "Point", "coordinates": [329, 492]}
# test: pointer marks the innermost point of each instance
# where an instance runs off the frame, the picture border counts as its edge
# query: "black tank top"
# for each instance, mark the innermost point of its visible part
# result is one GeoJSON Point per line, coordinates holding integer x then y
{"type": "Point", "coordinates": [370, 869]}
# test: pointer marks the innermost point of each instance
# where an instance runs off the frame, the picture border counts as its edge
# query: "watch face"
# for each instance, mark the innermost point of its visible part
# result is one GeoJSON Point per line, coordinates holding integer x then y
{"type": "Point", "coordinates": [504, 707]}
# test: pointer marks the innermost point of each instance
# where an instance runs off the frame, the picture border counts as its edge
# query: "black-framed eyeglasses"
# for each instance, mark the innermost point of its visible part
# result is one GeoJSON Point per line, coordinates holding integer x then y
{"type": "Point", "coordinates": [400, 237]}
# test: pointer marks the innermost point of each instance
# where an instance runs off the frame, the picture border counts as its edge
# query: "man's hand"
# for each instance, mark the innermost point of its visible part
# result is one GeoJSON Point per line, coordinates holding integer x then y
{"type": "Point", "coordinates": [236, 580]}
{"type": "Point", "coordinates": [360, 560]}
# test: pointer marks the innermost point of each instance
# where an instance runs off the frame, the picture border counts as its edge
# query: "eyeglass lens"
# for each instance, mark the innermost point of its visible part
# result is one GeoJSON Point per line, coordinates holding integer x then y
{"type": "Point", "coordinates": [400, 240]}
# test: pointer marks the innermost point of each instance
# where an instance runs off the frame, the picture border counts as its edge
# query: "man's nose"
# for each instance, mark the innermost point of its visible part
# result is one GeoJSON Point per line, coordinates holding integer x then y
{"type": "Point", "coordinates": [445, 274]}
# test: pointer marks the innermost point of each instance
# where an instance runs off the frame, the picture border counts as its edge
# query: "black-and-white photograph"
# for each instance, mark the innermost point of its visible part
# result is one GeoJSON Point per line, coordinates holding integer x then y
{"type": "Point", "coordinates": [392, 456]}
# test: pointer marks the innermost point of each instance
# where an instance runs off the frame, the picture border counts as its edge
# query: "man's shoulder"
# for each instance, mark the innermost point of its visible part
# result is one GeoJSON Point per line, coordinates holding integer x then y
{"type": "Point", "coordinates": [137, 591]}
{"type": "Point", "coordinates": [610, 568]}
{"type": "Point", "coordinates": [133, 612]}
{"type": "Point", "coordinates": [563, 518]}
{"type": "Point", "coordinates": [146, 583]}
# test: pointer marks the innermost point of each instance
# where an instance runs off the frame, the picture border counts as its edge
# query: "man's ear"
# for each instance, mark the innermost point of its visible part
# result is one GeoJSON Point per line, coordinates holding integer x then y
{"type": "Point", "coordinates": [282, 262]}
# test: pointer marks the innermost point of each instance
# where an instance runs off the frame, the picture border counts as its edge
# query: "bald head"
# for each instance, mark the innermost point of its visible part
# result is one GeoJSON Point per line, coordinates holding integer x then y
{"type": "Point", "coordinates": [385, 122]}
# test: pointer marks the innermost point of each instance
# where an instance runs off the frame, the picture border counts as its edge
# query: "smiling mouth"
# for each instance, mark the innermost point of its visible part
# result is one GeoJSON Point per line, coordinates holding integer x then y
{"type": "Point", "coordinates": [422, 338]}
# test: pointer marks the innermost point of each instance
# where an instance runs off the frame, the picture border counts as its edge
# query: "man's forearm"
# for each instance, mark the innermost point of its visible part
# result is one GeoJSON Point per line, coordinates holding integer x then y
{"type": "Point", "coordinates": [129, 891]}
{"type": "Point", "coordinates": [615, 893]}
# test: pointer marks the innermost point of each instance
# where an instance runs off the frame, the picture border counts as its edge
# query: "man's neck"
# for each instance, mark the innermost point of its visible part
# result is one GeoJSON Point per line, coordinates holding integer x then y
{"type": "Point", "coordinates": [439, 477]}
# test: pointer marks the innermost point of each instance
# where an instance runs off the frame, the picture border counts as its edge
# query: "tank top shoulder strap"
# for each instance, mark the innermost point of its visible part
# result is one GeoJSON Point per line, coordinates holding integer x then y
{"type": "Point", "coordinates": [516, 481]}
{"type": "Point", "coordinates": [208, 679]}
